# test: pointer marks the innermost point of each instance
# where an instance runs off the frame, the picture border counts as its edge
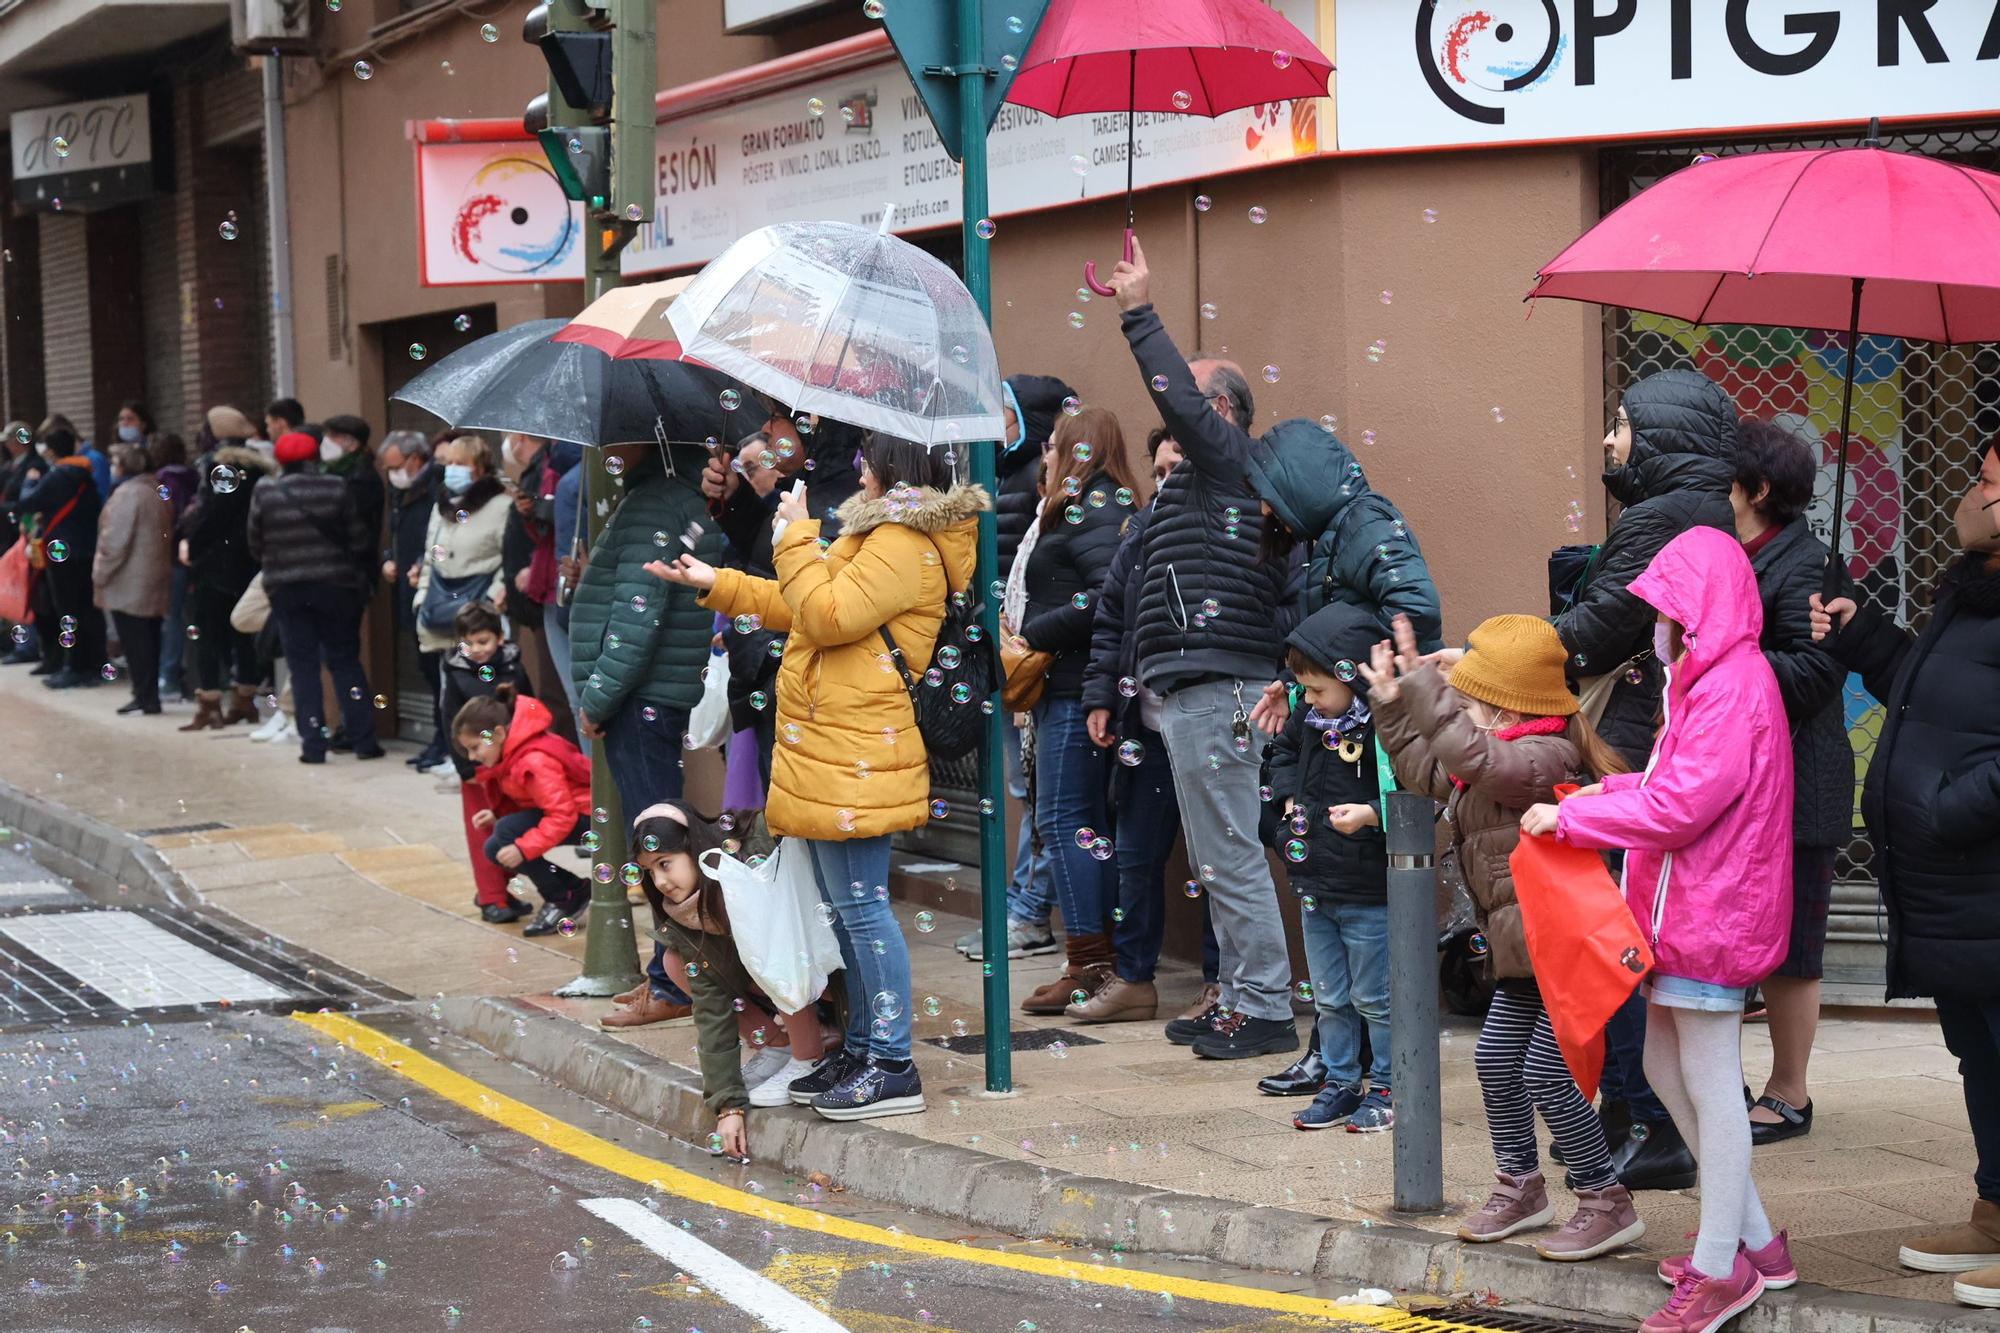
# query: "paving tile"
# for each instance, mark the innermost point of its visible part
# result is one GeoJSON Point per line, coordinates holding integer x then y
{"type": "Point", "coordinates": [291, 845]}
{"type": "Point", "coordinates": [191, 855]}
{"type": "Point", "coordinates": [1878, 1128]}
{"type": "Point", "coordinates": [250, 872]}
{"type": "Point", "coordinates": [1929, 1287]}
{"type": "Point", "coordinates": [133, 962]}
{"type": "Point", "coordinates": [397, 856]}
{"type": "Point", "coordinates": [1831, 1268]}
{"type": "Point", "coordinates": [1844, 1168]}
{"type": "Point", "coordinates": [1878, 1247]}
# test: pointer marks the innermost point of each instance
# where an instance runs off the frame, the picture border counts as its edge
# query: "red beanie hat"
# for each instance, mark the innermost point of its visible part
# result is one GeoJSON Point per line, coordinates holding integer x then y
{"type": "Point", "coordinates": [295, 447]}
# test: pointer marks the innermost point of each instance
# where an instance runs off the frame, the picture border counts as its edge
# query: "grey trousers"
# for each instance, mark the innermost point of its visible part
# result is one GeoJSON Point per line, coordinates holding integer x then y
{"type": "Point", "coordinates": [1217, 786]}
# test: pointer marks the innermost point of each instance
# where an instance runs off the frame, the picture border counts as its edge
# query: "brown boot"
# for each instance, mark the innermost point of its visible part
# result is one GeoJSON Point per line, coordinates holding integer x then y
{"type": "Point", "coordinates": [632, 995]}
{"type": "Point", "coordinates": [1118, 1001]}
{"type": "Point", "coordinates": [1089, 968]}
{"type": "Point", "coordinates": [1204, 1004]}
{"type": "Point", "coordinates": [243, 708]}
{"type": "Point", "coordinates": [647, 1009]}
{"type": "Point", "coordinates": [1961, 1249]}
{"type": "Point", "coordinates": [207, 712]}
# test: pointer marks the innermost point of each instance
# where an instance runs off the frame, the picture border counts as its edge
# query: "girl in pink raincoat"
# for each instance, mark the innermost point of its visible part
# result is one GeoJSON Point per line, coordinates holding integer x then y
{"type": "Point", "coordinates": [1707, 832]}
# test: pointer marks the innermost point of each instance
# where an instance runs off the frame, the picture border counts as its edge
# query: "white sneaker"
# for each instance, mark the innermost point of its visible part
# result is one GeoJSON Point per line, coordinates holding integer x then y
{"type": "Point", "coordinates": [759, 1066]}
{"type": "Point", "coordinates": [442, 769]}
{"type": "Point", "coordinates": [777, 1089]}
{"type": "Point", "coordinates": [272, 727]}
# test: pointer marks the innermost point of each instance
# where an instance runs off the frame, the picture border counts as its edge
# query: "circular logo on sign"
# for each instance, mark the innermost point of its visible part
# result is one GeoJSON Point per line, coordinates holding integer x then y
{"type": "Point", "coordinates": [1474, 53]}
{"type": "Point", "coordinates": [513, 218]}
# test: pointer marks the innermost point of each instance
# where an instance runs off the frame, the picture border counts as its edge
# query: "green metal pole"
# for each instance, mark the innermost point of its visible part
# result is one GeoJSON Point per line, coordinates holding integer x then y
{"type": "Point", "coordinates": [610, 958]}
{"type": "Point", "coordinates": [972, 74]}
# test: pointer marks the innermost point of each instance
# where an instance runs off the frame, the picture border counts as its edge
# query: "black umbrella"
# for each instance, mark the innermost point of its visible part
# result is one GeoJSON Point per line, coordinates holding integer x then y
{"type": "Point", "coordinates": [530, 380]}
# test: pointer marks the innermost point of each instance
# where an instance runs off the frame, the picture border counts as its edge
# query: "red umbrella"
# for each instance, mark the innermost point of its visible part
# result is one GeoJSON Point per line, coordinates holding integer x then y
{"type": "Point", "coordinates": [1862, 239]}
{"type": "Point", "coordinates": [1195, 57]}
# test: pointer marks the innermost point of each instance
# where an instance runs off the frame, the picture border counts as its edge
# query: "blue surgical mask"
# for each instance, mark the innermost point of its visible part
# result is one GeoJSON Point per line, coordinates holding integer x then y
{"type": "Point", "coordinates": [130, 434]}
{"type": "Point", "coordinates": [457, 477]}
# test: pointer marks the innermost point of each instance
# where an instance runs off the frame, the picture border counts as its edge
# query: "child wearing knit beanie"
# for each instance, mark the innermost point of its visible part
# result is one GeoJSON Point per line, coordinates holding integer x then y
{"type": "Point", "coordinates": [1490, 735]}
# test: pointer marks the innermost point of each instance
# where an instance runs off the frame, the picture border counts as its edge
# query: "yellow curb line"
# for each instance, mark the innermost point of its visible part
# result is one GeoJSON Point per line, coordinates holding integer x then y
{"type": "Point", "coordinates": [531, 1123]}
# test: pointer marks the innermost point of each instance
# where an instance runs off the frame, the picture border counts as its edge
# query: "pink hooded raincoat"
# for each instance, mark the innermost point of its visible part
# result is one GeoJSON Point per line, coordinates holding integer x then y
{"type": "Point", "coordinates": [1708, 825]}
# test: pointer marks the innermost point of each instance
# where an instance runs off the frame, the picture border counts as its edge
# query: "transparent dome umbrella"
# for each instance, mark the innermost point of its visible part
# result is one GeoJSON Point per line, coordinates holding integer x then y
{"type": "Point", "coordinates": [847, 323]}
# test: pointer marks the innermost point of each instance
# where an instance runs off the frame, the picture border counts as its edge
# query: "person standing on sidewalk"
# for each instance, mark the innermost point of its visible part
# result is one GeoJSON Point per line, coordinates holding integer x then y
{"type": "Point", "coordinates": [177, 481]}
{"type": "Point", "coordinates": [851, 770]}
{"type": "Point", "coordinates": [1668, 459]}
{"type": "Point", "coordinates": [1209, 643]}
{"type": "Point", "coordinates": [1775, 470]}
{"type": "Point", "coordinates": [1708, 872]}
{"type": "Point", "coordinates": [1931, 800]}
{"type": "Point", "coordinates": [461, 557]}
{"type": "Point", "coordinates": [413, 478]}
{"type": "Point", "coordinates": [65, 505]}
{"type": "Point", "coordinates": [304, 529]}
{"type": "Point", "coordinates": [215, 550]}
{"type": "Point", "coordinates": [133, 570]}
{"type": "Point", "coordinates": [1489, 737]}
{"type": "Point", "coordinates": [1121, 713]}
{"type": "Point", "coordinates": [637, 650]}
{"type": "Point", "coordinates": [1090, 485]}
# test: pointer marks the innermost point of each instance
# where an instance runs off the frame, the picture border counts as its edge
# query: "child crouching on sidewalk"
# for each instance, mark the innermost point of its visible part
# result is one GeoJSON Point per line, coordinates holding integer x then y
{"type": "Point", "coordinates": [482, 662]}
{"type": "Point", "coordinates": [537, 790]}
{"type": "Point", "coordinates": [690, 919]}
{"type": "Point", "coordinates": [1490, 737]}
{"type": "Point", "coordinates": [1708, 874]}
{"type": "Point", "coordinates": [1324, 787]}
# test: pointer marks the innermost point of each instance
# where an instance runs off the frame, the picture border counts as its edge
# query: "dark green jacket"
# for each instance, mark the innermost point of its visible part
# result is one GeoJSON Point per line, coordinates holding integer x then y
{"type": "Point", "coordinates": [632, 636]}
{"type": "Point", "coordinates": [716, 982]}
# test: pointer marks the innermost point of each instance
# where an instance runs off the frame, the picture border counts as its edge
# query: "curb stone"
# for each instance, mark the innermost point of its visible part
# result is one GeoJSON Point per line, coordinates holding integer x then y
{"type": "Point", "coordinates": [90, 852]}
{"type": "Point", "coordinates": [1025, 1199]}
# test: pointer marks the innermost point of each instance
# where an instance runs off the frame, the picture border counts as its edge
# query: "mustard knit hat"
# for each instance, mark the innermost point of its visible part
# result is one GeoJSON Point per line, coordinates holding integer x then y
{"type": "Point", "coordinates": [1516, 663]}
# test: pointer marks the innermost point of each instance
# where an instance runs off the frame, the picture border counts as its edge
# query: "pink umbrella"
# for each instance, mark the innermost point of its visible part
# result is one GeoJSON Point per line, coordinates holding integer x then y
{"type": "Point", "coordinates": [1861, 239]}
{"type": "Point", "coordinates": [1195, 57]}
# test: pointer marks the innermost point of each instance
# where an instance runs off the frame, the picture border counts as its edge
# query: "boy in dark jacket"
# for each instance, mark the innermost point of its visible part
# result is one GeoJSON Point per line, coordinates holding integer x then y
{"type": "Point", "coordinates": [482, 663]}
{"type": "Point", "coordinates": [1324, 788]}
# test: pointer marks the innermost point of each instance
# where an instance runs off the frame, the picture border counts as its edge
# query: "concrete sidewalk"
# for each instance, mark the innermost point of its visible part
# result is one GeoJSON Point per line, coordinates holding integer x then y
{"type": "Point", "coordinates": [364, 863]}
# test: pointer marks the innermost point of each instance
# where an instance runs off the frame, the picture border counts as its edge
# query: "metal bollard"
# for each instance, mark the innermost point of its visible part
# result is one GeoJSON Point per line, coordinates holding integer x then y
{"type": "Point", "coordinates": [1413, 1002]}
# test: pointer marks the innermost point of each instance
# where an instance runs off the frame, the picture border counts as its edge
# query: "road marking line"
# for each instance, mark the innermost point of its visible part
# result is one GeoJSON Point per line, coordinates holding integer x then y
{"type": "Point", "coordinates": [470, 1095]}
{"type": "Point", "coordinates": [749, 1291]}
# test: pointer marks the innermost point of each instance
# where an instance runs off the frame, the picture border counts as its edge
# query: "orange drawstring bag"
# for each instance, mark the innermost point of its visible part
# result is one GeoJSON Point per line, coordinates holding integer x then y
{"type": "Point", "coordinates": [1587, 948]}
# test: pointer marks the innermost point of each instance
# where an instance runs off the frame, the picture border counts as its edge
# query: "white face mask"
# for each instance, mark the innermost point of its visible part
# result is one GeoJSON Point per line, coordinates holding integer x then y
{"type": "Point", "coordinates": [1663, 641]}
{"type": "Point", "coordinates": [401, 480]}
{"type": "Point", "coordinates": [508, 453]}
{"type": "Point", "coordinates": [329, 452]}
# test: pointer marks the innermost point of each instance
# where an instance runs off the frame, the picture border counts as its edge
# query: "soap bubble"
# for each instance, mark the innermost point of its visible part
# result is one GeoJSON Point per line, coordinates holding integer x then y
{"type": "Point", "coordinates": [887, 1005]}
{"type": "Point", "coordinates": [57, 551]}
{"type": "Point", "coordinates": [1202, 203]}
{"type": "Point", "coordinates": [1076, 319]}
{"type": "Point", "coordinates": [1377, 350]}
{"type": "Point", "coordinates": [226, 230]}
{"type": "Point", "coordinates": [1014, 23]}
{"type": "Point", "coordinates": [815, 107]}
{"type": "Point", "coordinates": [1295, 849]}
{"type": "Point", "coordinates": [1182, 99]}
{"type": "Point", "coordinates": [1131, 754]}
{"type": "Point", "coordinates": [1430, 215]}
{"type": "Point", "coordinates": [985, 229]}
{"type": "Point", "coordinates": [1159, 384]}
{"type": "Point", "coordinates": [940, 808]}
{"type": "Point", "coordinates": [1281, 59]}
{"type": "Point", "coordinates": [1304, 990]}
{"type": "Point", "coordinates": [363, 70]}
{"type": "Point", "coordinates": [1192, 888]}
{"type": "Point", "coordinates": [418, 351]}
{"type": "Point", "coordinates": [1257, 215]}
{"type": "Point", "coordinates": [566, 928]}
{"type": "Point", "coordinates": [1208, 310]}
{"type": "Point", "coordinates": [873, 9]}
{"type": "Point", "coordinates": [1478, 945]}
{"type": "Point", "coordinates": [488, 33]}
{"type": "Point", "coordinates": [224, 479]}
{"type": "Point", "coordinates": [1072, 405]}
{"type": "Point", "coordinates": [1080, 164]}
{"type": "Point", "coordinates": [730, 400]}
{"type": "Point", "coordinates": [60, 146]}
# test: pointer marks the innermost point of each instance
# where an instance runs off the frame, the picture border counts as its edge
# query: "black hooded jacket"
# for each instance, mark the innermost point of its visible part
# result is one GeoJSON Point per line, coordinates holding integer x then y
{"type": "Point", "coordinates": [1932, 796]}
{"type": "Point", "coordinates": [1677, 477]}
{"type": "Point", "coordinates": [1070, 561]}
{"type": "Point", "coordinates": [1037, 399]}
{"type": "Point", "coordinates": [1305, 770]}
{"type": "Point", "coordinates": [1789, 569]}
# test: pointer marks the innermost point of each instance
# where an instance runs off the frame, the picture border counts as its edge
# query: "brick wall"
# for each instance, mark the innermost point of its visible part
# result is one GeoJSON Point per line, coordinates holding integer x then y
{"type": "Point", "coordinates": [117, 330]}
{"type": "Point", "coordinates": [21, 318]}
{"type": "Point", "coordinates": [225, 336]}
{"type": "Point", "coordinates": [66, 347]}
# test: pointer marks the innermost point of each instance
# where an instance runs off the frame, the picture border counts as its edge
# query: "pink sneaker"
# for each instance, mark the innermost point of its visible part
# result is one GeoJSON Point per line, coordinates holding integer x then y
{"type": "Point", "coordinates": [1518, 1203]}
{"type": "Point", "coordinates": [1773, 1263]}
{"type": "Point", "coordinates": [1704, 1304]}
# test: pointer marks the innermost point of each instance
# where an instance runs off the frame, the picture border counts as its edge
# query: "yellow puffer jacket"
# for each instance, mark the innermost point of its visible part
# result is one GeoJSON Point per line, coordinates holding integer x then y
{"type": "Point", "coordinates": [849, 762]}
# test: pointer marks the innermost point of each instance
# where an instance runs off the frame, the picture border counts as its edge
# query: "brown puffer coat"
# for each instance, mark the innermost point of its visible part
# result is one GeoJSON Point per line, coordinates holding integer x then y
{"type": "Point", "coordinates": [1432, 741]}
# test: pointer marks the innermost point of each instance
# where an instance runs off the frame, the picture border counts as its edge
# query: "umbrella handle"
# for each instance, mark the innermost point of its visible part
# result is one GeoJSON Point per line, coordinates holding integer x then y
{"type": "Point", "coordinates": [1090, 269]}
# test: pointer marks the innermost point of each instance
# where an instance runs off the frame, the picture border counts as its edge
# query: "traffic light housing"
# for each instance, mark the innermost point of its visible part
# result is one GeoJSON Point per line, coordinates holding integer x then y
{"type": "Point", "coordinates": [596, 122]}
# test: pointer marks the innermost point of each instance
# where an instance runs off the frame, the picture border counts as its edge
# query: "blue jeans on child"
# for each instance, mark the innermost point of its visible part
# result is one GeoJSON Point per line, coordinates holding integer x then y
{"type": "Point", "coordinates": [645, 760]}
{"type": "Point", "coordinates": [1070, 775]}
{"type": "Point", "coordinates": [1347, 953]}
{"type": "Point", "coordinates": [873, 952]}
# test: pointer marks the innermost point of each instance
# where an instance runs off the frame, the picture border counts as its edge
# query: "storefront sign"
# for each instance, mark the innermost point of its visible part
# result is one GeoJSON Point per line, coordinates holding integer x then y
{"type": "Point", "coordinates": [494, 212]}
{"type": "Point", "coordinates": [1427, 73]}
{"type": "Point", "coordinates": [82, 155]}
{"type": "Point", "coordinates": [489, 211]}
{"type": "Point", "coordinates": [742, 15]}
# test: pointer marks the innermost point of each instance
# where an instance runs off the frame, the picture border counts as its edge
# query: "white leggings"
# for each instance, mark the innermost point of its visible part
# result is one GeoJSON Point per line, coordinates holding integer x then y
{"type": "Point", "coordinates": [1695, 1065]}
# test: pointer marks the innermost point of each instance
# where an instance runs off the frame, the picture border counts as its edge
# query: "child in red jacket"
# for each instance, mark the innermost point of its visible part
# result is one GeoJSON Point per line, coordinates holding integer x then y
{"type": "Point", "coordinates": [538, 789]}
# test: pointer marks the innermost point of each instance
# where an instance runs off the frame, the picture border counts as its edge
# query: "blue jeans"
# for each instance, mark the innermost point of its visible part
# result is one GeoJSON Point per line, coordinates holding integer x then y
{"type": "Point", "coordinates": [1149, 816]}
{"type": "Point", "coordinates": [1347, 952]}
{"type": "Point", "coordinates": [645, 762]}
{"type": "Point", "coordinates": [1032, 890]}
{"type": "Point", "coordinates": [1070, 778]}
{"type": "Point", "coordinates": [875, 957]}
{"type": "Point", "coordinates": [173, 644]}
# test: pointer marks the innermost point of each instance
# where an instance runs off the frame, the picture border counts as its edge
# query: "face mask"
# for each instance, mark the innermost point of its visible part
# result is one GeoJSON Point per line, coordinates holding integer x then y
{"type": "Point", "coordinates": [1975, 523]}
{"type": "Point", "coordinates": [401, 480]}
{"type": "Point", "coordinates": [329, 452]}
{"type": "Point", "coordinates": [457, 477]}
{"type": "Point", "coordinates": [1663, 644]}
{"type": "Point", "coordinates": [508, 454]}
{"type": "Point", "coordinates": [130, 434]}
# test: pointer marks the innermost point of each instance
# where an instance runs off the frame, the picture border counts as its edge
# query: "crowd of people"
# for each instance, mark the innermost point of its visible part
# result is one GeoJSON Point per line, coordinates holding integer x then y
{"type": "Point", "coordinates": [1227, 640]}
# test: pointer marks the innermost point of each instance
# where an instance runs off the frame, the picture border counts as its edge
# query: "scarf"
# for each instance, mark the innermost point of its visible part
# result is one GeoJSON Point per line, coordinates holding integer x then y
{"type": "Point", "coordinates": [1014, 605]}
{"type": "Point", "coordinates": [1350, 723]}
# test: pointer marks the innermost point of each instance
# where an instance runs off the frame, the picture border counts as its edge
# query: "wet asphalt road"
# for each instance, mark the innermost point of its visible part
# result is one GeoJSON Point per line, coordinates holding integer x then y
{"type": "Point", "coordinates": [240, 1170]}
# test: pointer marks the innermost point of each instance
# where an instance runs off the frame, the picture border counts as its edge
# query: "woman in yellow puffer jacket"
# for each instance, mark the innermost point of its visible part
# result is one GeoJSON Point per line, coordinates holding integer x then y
{"type": "Point", "coordinates": [849, 768]}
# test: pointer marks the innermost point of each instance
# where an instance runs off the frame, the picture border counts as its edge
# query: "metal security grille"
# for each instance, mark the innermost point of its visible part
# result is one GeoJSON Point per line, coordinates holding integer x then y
{"type": "Point", "coordinates": [1922, 414]}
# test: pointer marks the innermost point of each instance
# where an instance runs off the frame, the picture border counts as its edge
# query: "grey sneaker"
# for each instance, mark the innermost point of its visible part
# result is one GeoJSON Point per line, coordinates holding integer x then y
{"type": "Point", "coordinates": [1023, 941]}
{"type": "Point", "coordinates": [1518, 1203]}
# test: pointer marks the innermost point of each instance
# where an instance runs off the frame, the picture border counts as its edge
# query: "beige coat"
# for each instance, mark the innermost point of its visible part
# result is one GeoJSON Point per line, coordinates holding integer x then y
{"type": "Point", "coordinates": [455, 550]}
{"type": "Point", "coordinates": [134, 569]}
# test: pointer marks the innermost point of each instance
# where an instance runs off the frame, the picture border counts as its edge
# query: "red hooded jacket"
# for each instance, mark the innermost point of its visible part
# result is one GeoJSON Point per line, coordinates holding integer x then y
{"type": "Point", "coordinates": [538, 771]}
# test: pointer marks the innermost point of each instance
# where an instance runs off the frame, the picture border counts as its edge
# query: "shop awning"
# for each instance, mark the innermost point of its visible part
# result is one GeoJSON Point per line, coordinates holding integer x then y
{"type": "Point", "coordinates": [43, 41]}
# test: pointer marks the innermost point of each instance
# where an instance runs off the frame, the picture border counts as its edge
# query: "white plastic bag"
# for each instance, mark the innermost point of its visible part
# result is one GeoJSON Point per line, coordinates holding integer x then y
{"type": "Point", "coordinates": [708, 723]}
{"type": "Point", "coordinates": [774, 917]}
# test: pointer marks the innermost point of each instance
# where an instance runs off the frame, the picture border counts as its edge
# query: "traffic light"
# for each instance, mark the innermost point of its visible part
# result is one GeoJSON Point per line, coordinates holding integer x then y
{"type": "Point", "coordinates": [596, 121]}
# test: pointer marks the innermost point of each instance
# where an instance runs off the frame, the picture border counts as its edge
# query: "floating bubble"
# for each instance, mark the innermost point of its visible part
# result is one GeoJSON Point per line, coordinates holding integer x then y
{"type": "Point", "coordinates": [926, 922]}
{"type": "Point", "coordinates": [1478, 945]}
{"type": "Point", "coordinates": [940, 808]}
{"type": "Point", "coordinates": [566, 927]}
{"type": "Point", "coordinates": [418, 351]}
{"type": "Point", "coordinates": [873, 9]}
{"type": "Point", "coordinates": [1208, 310]}
{"type": "Point", "coordinates": [57, 551]}
{"type": "Point", "coordinates": [1258, 215]}
{"type": "Point", "coordinates": [815, 107]}
{"type": "Point", "coordinates": [1080, 164]}
{"type": "Point", "coordinates": [1076, 319]}
{"type": "Point", "coordinates": [1377, 350]}
{"type": "Point", "coordinates": [1430, 215]}
{"type": "Point", "coordinates": [1014, 23]}
{"type": "Point", "coordinates": [1072, 405]}
{"type": "Point", "coordinates": [488, 33]}
{"type": "Point", "coordinates": [1182, 99]}
{"type": "Point", "coordinates": [1304, 990]}
{"type": "Point", "coordinates": [1159, 384]}
{"type": "Point", "coordinates": [933, 1006]}
{"type": "Point", "coordinates": [730, 400]}
{"type": "Point", "coordinates": [1498, 414]}
{"type": "Point", "coordinates": [886, 1004]}
{"type": "Point", "coordinates": [985, 229]}
{"type": "Point", "coordinates": [1210, 607]}
{"type": "Point", "coordinates": [59, 146]}
{"type": "Point", "coordinates": [1295, 849]}
{"type": "Point", "coordinates": [363, 70]}
{"type": "Point", "coordinates": [1202, 203]}
{"type": "Point", "coordinates": [1192, 888]}
{"type": "Point", "coordinates": [1368, 437]}
{"type": "Point", "coordinates": [226, 230]}
{"type": "Point", "coordinates": [1281, 59]}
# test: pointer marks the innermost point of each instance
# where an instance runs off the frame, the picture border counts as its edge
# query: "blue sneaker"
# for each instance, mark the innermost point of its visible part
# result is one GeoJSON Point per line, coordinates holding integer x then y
{"type": "Point", "coordinates": [872, 1091]}
{"type": "Point", "coordinates": [828, 1073]}
{"type": "Point", "coordinates": [1377, 1113]}
{"type": "Point", "coordinates": [1332, 1107]}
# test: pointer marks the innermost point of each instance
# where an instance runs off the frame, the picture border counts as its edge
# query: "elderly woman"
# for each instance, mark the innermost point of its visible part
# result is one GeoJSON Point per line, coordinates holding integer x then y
{"type": "Point", "coordinates": [463, 543]}
{"type": "Point", "coordinates": [133, 570]}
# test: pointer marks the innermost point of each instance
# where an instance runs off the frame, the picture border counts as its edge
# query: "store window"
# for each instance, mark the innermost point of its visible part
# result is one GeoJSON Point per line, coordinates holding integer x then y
{"type": "Point", "coordinates": [1922, 413]}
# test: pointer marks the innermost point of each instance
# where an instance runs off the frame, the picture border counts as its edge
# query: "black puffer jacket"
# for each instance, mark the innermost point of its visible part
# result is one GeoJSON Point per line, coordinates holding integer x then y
{"type": "Point", "coordinates": [1305, 770]}
{"type": "Point", "coordinates": [1070, 560]}
{"type": "Point", "coordinates": [1202, 544]}
{"type": "Point", "coordinates": [1789, 569]}
{"type": "Point", "coordinates": [1932, 796]}
{"type": "Point", "coordinates": [216, 525]}
{"type": "Point", "coordinates": [1677, 477]}
{"type": "Point", "coordinates": [1037, 399]}
{"type": "Point", "coordinates": [304, 529]}
{"type": "Point", "coordinates": [1363, 553]}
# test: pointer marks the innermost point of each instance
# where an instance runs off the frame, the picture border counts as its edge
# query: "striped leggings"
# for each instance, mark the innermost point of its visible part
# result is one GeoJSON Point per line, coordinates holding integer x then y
{"type": "Point", "coordinates": [1521, 1070]}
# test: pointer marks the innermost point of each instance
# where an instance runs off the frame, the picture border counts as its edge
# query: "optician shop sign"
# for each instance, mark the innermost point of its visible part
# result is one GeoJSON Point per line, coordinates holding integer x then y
{"type": "Point", "coordinates": [833, 149]}
{"type": "Point", "coordinates": [1426, 73]}
{"type": "Point", "coordinates": [82, 155]}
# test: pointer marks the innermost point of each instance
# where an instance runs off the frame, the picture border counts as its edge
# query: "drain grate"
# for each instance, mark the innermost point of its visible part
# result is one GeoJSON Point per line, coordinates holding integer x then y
{"type": "Point", "coordinates": [1479, 1316]}
{"type": "Point", "coordinates": [166, 829]}
{"type": "Point", "coordinates": [1023, 1039]}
